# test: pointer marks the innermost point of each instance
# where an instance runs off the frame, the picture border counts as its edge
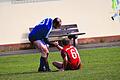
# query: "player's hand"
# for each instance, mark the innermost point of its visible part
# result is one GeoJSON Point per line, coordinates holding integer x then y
{"type": "Point", "coordinates": [56, 43]}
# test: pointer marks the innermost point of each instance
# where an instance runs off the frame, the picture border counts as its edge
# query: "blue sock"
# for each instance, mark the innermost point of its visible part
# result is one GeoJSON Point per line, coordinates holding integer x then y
{"type": "Point", "coordinates": [42, 63]}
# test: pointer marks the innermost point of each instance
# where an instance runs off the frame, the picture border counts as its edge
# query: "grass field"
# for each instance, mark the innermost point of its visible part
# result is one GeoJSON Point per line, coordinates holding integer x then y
{"type": "Point", "coordinates": [99, 64]}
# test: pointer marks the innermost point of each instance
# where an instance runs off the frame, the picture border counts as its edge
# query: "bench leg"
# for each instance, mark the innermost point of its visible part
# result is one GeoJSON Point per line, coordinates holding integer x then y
{"type": "Point", "coordinates": [73, 37]}
{"type": "Point", "coordinates": [74, 42]}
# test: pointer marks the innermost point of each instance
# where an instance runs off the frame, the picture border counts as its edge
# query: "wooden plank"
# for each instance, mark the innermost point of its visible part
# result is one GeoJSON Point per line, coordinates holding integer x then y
{"type": "Point", "coordinates": [78, 33]}
{"type": "Point", "coordinates": [61, 32]}
{"type": "Point", "coordinates": [55, 38]}
{"type": "Point", "coordinates": [69, 26]}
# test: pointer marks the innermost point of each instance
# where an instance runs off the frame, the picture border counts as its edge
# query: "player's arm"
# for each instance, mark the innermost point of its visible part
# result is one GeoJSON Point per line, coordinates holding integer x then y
{"type": "Point", "coordinates": [80, 63]}
{"type": "Point", "coordinates": [65, 60]}
{"type": "Point", "coordinates": [48, 42]}
{"type": "Point", "coordinates": [57, 45]}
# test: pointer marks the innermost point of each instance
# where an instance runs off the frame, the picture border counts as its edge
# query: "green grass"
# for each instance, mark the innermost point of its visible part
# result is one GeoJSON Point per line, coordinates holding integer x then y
{"type": "Point", "coordinates": [98, 64]}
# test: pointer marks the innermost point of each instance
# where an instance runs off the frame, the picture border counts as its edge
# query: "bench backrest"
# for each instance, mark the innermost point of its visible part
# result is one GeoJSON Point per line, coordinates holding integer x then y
{"type": "Point", "coordinates": [64, 30]}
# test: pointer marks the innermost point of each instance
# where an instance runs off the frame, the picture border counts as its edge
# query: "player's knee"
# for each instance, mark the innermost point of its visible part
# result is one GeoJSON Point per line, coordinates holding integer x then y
{"type": "Point", "coordinates": [55, 64]}
{"type": "Point", "coordinates": [45, 50]}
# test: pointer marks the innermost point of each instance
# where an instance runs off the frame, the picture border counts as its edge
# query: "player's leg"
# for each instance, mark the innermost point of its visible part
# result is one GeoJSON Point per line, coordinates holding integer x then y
{"type": "Point", "coordinates": [58, 64]}
{"type": "Point", "coordinates": [113, 17]}
{"type": "Point", "coordinates": [119, 12]}
{"type": "Point", "coordinates": [44, 55]}
{"type": "Point", "coordinates": [41, 65]}
{"type": "Point", "coordinates": [46, 63]}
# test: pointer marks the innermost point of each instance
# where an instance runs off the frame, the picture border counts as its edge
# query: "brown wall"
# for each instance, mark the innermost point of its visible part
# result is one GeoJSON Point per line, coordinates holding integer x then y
{"type": "Point", "coordinates": [22, 46]}
{"type": "Point", "coordinates": [99, 39]}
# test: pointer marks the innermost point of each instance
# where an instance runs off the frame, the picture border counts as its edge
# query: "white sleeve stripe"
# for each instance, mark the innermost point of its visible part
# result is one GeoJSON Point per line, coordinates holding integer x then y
{"type": "Point", "coordinates": [49, 32]}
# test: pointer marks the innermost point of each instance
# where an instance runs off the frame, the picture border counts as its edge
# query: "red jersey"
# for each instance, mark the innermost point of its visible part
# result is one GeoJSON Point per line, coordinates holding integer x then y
{"type": "Point", "coordinates": [72, 54]}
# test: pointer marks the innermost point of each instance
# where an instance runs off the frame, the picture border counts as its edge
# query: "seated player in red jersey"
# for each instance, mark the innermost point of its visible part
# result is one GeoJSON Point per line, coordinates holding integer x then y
{"type": "Point", "coordinates": [70, 55]}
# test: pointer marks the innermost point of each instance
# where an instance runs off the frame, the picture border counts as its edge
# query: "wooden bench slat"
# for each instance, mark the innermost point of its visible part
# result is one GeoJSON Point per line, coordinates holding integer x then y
{"type": "Point", "coordinates": [61, 32]}
{"type": "Point", "coordinates": [69, 26]}
{"type": "Point", "coordinates": [67, 34]}
{"type": "Point", "coordinates": [55, 38]}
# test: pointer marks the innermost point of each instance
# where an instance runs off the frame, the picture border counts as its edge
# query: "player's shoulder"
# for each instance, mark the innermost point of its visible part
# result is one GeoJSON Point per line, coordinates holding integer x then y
{"type": "Point", "coordinates": [48, 19]}
{"type": "Point", "coordinates": [45, 21]}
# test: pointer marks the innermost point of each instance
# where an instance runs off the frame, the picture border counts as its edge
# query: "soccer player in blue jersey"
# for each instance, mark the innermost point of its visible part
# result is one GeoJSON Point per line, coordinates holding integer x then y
{"type": "Point", "coordinates": [39, 37]}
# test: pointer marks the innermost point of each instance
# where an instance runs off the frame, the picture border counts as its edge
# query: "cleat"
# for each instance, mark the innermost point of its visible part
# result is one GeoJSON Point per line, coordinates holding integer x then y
{"type": "Point", "coordinates": [112, 18]}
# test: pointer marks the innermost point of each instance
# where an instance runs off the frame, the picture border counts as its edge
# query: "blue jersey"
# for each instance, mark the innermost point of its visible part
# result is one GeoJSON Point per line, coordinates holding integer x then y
{"type": "Point", "coordinates": [41, 30]}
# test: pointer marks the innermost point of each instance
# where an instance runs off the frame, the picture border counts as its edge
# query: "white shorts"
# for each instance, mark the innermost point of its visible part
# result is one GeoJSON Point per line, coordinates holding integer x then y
{"type": "Point", "coordinates": [42, 47]}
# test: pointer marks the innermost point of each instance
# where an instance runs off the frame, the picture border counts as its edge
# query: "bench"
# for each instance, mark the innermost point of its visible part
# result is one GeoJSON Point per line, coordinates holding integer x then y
{"type": "Point", "coordinates": [71, 31]}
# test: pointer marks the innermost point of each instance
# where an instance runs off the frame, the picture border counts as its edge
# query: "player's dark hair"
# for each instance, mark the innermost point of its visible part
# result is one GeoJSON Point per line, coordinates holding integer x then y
{"type": "Point", "coordinates": [57, 20]}
{"type": "Point", "coordinates": [65, 41]}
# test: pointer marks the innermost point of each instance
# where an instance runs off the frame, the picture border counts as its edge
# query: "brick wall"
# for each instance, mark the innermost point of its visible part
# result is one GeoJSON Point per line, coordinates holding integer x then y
{"type": "Point", "coordinates": [99, 39]}
{"type": "Point", "coordinates": [13, 47]}
{"type": "Point", "coordinates": [22, 46]}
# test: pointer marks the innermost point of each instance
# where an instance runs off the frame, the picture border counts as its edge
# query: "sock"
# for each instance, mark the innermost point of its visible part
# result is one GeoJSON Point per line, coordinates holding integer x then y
{"type": "Point", "coordinates": [42, 64]}
{"type": "Point", "coordinates": [46, 63]}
